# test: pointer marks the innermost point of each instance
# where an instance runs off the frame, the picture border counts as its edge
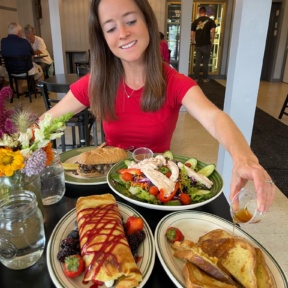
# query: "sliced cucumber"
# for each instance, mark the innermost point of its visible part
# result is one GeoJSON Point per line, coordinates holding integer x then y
{"type": "Point", "coordinates": [118, 178]}
{"type": "Point", "coordinates": [207, 170]}
{"type": "Point", "coordinates": [134, 190]}
{"type": "Point", "coordinates": [192, 162]}
{"type": "Point", "coordinates": [202, 192]}
{"type": "Point", "coordinates": [127, 162]}
{"type": "Point", "coordinates": [168, 154]}
{"type": "Point", "coordinates": [173, 203]}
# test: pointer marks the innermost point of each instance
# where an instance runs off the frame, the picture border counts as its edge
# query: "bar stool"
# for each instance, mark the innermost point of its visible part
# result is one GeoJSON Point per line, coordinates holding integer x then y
{"type": "Point", "coordinates": [285, 105]}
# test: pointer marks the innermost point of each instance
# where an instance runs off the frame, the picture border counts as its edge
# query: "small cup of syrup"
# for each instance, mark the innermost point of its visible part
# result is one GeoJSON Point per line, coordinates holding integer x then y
{"type": "Point", "coordinates": [142, 153]}
{"type": "Point", "coordinates": [244, 208]}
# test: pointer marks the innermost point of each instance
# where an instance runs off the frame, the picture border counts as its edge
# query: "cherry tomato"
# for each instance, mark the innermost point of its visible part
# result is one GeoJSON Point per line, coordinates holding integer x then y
{"type": "Point", "coordinates": [153, 190]}
{"type": "Point", "coordinates": [168, 174]}
{"type": "Point", "coordinates": [185, 199]}
{"type": "Point", "coordinates": [127, 176]}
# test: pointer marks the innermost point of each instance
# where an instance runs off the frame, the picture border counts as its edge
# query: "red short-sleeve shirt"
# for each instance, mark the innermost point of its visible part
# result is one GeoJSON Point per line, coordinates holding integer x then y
{"type": "Point", "coordinates": [137, 128]}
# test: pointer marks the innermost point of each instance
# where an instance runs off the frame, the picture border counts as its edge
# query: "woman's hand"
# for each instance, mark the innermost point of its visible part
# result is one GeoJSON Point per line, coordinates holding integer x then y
{"type": "Point", "coordinates": [249, 169]}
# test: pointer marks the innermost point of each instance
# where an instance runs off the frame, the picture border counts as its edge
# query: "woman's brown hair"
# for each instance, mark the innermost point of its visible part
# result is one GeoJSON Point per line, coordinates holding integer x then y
{"type": "Point", "coordinates": [107, 71]}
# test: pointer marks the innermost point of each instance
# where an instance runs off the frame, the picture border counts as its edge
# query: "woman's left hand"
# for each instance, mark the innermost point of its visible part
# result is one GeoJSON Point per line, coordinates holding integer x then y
{"type": "Point", "coordinates": [249, 169]}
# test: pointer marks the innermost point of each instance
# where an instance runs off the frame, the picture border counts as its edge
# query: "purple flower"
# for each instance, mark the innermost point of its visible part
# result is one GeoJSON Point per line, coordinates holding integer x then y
{"type": "Point", "coordinates": [5, 127]}
{"type": "Point", "coordinates": [5, 91]}
{"type": "Point", "coordinates": [35, 163]}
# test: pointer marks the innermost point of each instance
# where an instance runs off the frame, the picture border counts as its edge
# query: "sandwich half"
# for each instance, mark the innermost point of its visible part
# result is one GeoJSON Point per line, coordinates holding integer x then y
{"type": "Point", "coordinates": [97, 162]}
{"type": "Point", "coordinates": [103, 243]}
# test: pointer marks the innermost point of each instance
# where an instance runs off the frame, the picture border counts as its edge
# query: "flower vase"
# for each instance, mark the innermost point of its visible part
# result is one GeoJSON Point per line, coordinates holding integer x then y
{"type": "Point", "coordinates": [19, 182]}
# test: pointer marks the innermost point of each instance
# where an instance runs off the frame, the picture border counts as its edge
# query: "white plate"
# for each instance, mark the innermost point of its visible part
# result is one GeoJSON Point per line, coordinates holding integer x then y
{"type": "Point", "coordinates": [194, 224]}
{"type": "Point", "coordinates": [70, 178]}
{"type": "Point", "coordinates": [68, 223]}
{"type": "Point", "coordinates": [71, 157]}
{"type": "Point", "coordinates": [216, 189]}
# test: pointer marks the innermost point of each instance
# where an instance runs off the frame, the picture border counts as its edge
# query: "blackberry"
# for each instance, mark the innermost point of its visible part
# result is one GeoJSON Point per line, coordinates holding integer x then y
{"type": "Point", "coordinates": [74, 234]}
{"type": "Point", "coordinates": [133, 243]}
{"type": "Point", "coordinates": [69, 242]}
{"type": "Point", "coordinates": [140, 236]}
{"type": "Point", "coordinates": [63, 253]}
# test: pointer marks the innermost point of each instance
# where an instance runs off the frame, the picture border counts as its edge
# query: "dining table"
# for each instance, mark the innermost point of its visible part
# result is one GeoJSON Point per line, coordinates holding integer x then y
{"type": "Point", "coordinates": [62, 80]}
{"type": "Point", "coordinates": [39, 57]}
{"type": "Point", "coordinates": [37, 276]}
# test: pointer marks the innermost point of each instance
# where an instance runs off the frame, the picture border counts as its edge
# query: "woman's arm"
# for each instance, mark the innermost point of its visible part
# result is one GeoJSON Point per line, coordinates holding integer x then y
{"type": "Point", "coordinates": [245, 164]}
{"type": "Point", "coordinates": [67, 104]}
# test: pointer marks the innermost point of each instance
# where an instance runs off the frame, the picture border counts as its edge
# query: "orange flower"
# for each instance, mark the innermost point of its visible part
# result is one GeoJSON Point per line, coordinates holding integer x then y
{"type": "Point", "coordinates": [49, 153]}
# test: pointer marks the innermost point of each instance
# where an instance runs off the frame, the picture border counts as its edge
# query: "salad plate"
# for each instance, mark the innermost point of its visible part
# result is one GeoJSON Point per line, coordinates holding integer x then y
{"type": "Point", "coordinates": [194, 224]}
{"type": "Point", "coordinates": [216, 189]}
{"type": "Point", "coordinates": [146, 250]}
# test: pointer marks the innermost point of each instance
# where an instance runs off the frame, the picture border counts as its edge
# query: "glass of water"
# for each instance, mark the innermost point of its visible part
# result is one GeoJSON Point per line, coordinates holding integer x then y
{"type": "Point", "coordinates": [22, 235]}
{"type": "Point", "coordinates": [53, 181]}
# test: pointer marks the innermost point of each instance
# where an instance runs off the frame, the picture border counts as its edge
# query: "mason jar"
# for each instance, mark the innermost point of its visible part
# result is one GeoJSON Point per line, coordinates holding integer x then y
{"type": "Point", "coordinates": [22, 235]}
{"type": "Point", "coordinates": [53, 181]}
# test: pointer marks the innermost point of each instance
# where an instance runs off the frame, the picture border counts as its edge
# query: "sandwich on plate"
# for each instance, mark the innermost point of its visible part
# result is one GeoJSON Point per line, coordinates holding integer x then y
{"type": "Point", "coordinates": [98, 161]}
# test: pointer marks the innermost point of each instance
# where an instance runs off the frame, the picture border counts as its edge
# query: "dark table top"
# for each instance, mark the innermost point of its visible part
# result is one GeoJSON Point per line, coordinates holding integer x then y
{"type": "Point", "coordinates": [61, 79]}
{"type": "Point", "coordinates": [37, 276]}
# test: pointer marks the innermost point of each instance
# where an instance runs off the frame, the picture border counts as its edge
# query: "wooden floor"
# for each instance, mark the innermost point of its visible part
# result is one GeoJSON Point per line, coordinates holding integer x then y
{"type": "Point", "coordinates": [190, 139]}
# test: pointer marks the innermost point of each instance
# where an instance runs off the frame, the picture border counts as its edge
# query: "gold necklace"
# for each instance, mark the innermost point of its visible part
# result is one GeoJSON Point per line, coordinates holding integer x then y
{"type": "Point", "coordinates": [126, 91]}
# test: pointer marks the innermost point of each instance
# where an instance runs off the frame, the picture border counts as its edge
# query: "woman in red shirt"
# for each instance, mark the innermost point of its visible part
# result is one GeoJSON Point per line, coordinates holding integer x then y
{"type": "Point", "coordinates": [138, 97]}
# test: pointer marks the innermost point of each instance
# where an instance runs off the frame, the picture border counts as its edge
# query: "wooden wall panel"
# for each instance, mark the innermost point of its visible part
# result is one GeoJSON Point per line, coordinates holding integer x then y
{"type": "Point", "coordinates": [159, 8]}
{"type": "Point", "coordinates": [75, 21]}
{"type": "Point", "coordinates": [8, 12]}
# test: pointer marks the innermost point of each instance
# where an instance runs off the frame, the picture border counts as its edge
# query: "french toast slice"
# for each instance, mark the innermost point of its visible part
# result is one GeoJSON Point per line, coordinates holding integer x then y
{"type": "Point", "coordinates": [196, 278]}
{"type": "Point", "coordinates": [212, 240]}
{"type": "Point", "coordinates": [215, 234]}
{"type": "Point", "coordinates": [196, 256]}
{"type": "Point", "coordinates": [182, 245]}
{"type": "Point", "coordinates": [264, 279]}
{"type": "Point", "coordinates": [238, 257]}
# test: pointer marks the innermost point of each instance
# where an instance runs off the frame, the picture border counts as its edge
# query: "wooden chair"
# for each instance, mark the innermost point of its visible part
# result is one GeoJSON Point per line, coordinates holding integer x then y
{"type": "Point", "coordinates": [18, 68]}
{"type": "Point", "coordinates": [285, 105]}
{"type": "Point", "coordinates": [84, 120]}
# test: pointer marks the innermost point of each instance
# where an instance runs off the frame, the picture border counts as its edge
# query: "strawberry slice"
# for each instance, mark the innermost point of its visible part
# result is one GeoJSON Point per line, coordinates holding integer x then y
{"type": "Point", "coordinates": [134, 224]}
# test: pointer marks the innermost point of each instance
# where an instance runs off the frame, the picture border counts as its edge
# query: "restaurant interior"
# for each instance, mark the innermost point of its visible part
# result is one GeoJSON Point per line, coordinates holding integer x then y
{"type": "Point", "coordinates": [272, 90]}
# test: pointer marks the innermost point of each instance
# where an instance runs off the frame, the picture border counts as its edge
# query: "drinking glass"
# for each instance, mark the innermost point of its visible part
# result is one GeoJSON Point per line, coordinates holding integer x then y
{"type": "Point", "coordinates": [22, 236]}
{"type": "Point", "coordinates": [53, 181]}
{"type": "Point", "coordinates": [244, 207]}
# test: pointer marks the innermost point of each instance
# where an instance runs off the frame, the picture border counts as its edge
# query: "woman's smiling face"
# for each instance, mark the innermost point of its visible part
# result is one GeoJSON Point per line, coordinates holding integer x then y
{"type": "Point", "coordinates": [124, 28]}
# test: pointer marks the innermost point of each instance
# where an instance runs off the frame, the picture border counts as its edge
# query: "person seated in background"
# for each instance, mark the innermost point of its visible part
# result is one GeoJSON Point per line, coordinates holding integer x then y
{"type": "Point", "coordinates": [39, 47]}
{"type": "Point", "coordinates": [14, 45]}
{"type": "Point", "coordinates": [165, 53]}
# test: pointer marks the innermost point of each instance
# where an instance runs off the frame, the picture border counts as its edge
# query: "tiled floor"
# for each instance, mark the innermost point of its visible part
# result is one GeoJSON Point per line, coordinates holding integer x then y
{"type": "Point", "coordinates": [191, 140]}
